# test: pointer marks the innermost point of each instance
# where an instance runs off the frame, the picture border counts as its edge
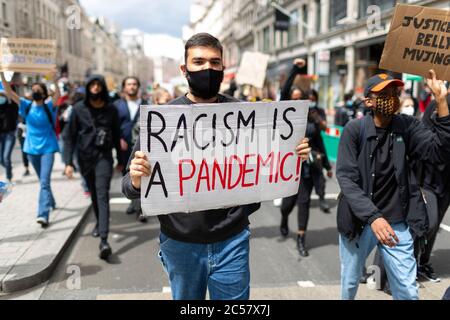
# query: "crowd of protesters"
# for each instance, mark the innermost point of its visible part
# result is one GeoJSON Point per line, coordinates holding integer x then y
{"type": "Point", "coordinates": [392, 170]}
{"type": "Point", "coordinates": [82, 123]}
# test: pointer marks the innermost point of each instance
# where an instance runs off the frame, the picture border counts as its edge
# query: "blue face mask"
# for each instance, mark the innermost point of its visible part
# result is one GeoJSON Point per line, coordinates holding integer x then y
{"type": "Point", "coordinates": [313, 105]}
{"type": "Point", "coordinates": [3, 100]}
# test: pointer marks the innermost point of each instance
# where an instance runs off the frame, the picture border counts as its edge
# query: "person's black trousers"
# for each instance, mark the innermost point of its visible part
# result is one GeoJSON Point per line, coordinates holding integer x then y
{"type": "Point", "coordinates": [135, 203]}
{"type": "Point", "coordinates": [303, 198]}
{"type": "Point", "coordinates": [99, 181]}
{"type": "Point", "coordinates": [437, 206]}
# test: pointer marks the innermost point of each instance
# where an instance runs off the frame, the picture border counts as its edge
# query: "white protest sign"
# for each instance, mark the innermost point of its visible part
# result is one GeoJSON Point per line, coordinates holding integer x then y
{"type": "Point", "coordinates": [220, 155]}
{"type": "Point", "coordinates": [252, 69]}
{"type": "Point", "coordinates": [28, 55]}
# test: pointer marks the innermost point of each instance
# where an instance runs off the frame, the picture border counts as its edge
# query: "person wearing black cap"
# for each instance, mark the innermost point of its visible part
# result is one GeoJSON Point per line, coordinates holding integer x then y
{"type": "Point", "coordinates": [93, 131]}
{"type": "Point", "coordinates": [380, 204]}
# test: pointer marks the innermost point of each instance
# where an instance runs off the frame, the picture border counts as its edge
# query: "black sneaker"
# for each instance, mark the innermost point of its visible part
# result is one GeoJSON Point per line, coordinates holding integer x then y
{"type": "Point", "coordinates": [95, 233]}
{"type": "Point", "coordinates": [26, 173]}
{"type": "Point", "coordinates": [105, 250]}
{"type": "Point", "coordinates": [364, 278]}
{"type": "Point", "coordinates": [426, 271]}
{"type": "Point", "coordinates": [43, 222]}
{"type": "Point", "coordinates": [142, 218]}
{"type": "Point", "coordinates": [130, 210]}
{"type": "Point", "coordinates": [301, 246]}
{"type": "Point", "coordinates": [324, 206]}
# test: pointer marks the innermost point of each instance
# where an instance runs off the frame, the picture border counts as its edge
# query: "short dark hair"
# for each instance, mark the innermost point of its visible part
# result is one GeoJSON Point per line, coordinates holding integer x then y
{"type": "Point", "coordinates": [202, 40]}
{"type": "Point", "coordinates": [314, 93]}
{"type": "Point", "coordinates": [43, 87]}
{"type": "Point", "coordinates": [131, 78]}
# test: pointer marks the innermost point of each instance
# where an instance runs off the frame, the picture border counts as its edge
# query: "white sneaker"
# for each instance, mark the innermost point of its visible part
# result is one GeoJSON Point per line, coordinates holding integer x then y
{"type": "Point", "coordinates": [277, 202]}
{"type": "Point", "coordinates": [42, 221]}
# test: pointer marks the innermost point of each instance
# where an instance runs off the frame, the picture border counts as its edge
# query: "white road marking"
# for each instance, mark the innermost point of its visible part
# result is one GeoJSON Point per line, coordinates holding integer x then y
{"type": "Point", "coordinates": [166, 290]}
{"type": "Point", "coordinates": [328, 196]}
{"type": "Point", "coordinates": [119, 201]}
{"type": "Point", "coordinates": [445, 227]}
{"type": "Point", "coordinates": [306, 284]}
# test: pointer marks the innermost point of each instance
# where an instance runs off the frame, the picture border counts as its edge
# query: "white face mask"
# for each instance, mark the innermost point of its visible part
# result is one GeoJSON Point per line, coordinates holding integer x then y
{"type": "Point", "coordinates": [408, 111]}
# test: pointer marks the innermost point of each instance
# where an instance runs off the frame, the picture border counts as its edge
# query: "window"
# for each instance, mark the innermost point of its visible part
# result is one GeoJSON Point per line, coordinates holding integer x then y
{"type": "Point", "coordinates": [318, 14]}
{"type": "Point", "coordinates": [4, 11]}
{"type": "Point", "coordinates": [25, 19]}
{"type": "Point", "coordinates": [338, 11]}
{"type": "Point", "coordinates": [266, 39]}
{"type": "Point", "coordinates": [383, 4]}
{"type": "Point", "coordinates": [293, 27]}
{"type": "Point", "coordinates": [305, 20]}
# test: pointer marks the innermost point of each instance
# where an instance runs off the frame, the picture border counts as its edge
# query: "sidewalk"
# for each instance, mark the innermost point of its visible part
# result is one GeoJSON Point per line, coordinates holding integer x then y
{"type": "Point", "coordinates": [28, 253]}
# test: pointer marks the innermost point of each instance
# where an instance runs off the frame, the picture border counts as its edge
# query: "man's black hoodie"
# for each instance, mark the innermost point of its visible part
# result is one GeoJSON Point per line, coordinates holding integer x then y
{"type": "Point", "coordinates": [83, 126]}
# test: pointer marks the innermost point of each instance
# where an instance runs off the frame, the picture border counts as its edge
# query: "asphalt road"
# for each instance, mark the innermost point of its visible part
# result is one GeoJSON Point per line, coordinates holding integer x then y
{"type": "Point", "coordinates": [134, 270]}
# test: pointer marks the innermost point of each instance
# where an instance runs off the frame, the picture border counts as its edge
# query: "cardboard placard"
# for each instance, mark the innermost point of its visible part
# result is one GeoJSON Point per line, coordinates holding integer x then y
{"type": "Point", "coordinates": [252, 69]}
{"type": "Point", "coordinates": [28, 55]}
{"type": "Point", "coordinates": [220, 155]}
{"type": "Point", "coordinates": [418, 40]}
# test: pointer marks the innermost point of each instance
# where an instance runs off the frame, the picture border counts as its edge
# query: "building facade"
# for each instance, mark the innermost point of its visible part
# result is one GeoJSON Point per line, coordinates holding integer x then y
{"type": "Point", "coordinates": [341, 40]}
{"type": "Point", "coordinates": [84, 45]}
{"type": "Point", "coordinates": [110, 59]}
{"type": "Point", "coordinates": [7, 18]}
{"type": "Point", "coordinates": [139, 64]}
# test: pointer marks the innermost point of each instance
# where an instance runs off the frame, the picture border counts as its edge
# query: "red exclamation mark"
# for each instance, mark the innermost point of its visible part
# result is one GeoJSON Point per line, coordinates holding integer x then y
{"type": "Point", "coordinates": [299, 168]}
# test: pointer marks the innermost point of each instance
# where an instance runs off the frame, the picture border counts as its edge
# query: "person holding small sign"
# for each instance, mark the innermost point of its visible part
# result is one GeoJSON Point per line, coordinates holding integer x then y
{"type": "Point", "coordinates": [381, 204]}
{"type": "Point", "coordinates": [41, 142]}
{"type": "Point", "coordinates": [208, 249]}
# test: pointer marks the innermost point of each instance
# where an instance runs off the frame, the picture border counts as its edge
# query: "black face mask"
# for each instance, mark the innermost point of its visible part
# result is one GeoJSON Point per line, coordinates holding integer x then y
{"type": "Point", "coordinates": [95, 96]}
{"type": "Point", "coordinates": [205, 84]}
{"type": "Point", "coordinates": [37, 96]}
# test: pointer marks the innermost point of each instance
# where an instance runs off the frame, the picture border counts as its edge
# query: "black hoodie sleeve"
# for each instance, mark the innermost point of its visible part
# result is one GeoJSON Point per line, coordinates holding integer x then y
{"type": "Point", "coordinates": [70, 137]}
{"type": "Point", "coordinates": [116, 135]}
{"type": "Point", "coordinates": [127, 188]}
{"type": "Point", "coordinates": [285, 91]}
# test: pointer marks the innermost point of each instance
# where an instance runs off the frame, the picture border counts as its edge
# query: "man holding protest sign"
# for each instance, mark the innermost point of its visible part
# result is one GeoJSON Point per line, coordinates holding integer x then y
{"type": "Point", "coordinates": [380, 202]}
{"type": "Point", "coordinates": [207, 249]}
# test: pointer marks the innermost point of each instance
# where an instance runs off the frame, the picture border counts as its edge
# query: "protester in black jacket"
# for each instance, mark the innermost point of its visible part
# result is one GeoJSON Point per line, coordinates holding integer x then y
{"type": "Point", "coordinates": [9, 114]}
{"type": "Point", "coordinates": [312, 171]}
{"type": "Point", "coordinates": [93, 131]}
{"type": "Point", "coordinates": [208, 249]}
{"type": "Point", "coordinates": [436, 187]}
{"type": "Point", "coordinates": [380, 202]}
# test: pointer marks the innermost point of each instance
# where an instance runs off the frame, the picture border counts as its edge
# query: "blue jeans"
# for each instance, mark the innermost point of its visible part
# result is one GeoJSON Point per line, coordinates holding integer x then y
{"type": "Point", "coordinates": [222, 268]}
{"type": "Point", "coordinates": [7, 142]}
{"type": "Point", "coordinates": [43, 165]}
{"type": "Point", "coordinates": [400, 264]}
